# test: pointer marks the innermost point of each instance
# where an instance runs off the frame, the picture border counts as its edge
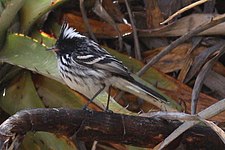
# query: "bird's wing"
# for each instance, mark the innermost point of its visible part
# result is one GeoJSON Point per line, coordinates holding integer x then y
{"type": "Point", "coordinates": [95, 57]}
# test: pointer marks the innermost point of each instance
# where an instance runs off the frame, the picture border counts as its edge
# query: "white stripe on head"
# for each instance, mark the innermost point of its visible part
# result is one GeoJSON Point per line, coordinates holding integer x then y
{"type": "Point", "coordinates": [69, 32]}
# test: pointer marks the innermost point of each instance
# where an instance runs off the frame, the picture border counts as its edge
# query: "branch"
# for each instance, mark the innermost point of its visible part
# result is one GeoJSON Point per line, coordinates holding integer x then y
{"type": "Point", "coordinates": [184, 9]}
{"type": "Point", "coordinates": [136, 41]}
{"type": "Point", "coordinates": [104, 127]}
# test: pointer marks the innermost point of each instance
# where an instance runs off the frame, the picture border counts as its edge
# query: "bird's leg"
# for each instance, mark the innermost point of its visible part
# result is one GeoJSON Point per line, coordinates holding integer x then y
{"type": "Point", "coordinates": [107, 105]}
{"type": "Point", "coordinates": [92, 99]}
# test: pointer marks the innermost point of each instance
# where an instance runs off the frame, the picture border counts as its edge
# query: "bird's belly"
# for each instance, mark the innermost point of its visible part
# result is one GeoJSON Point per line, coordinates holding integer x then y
{"type": "Point", "coordinates": [86, 86]}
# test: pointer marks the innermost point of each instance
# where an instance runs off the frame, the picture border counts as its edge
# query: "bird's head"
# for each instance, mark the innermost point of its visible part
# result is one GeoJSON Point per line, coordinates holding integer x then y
{"type": "Point", "coordinates": [69, 40]}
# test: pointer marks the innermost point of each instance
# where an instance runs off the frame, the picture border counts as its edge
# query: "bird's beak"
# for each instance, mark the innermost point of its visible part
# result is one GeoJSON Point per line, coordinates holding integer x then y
{"type": "Point", "coordinates": [54, 48]}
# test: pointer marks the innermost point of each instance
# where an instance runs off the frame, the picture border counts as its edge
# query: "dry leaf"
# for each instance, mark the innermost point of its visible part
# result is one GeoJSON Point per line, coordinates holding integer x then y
{"type": "Point", "coordinates": [100, 29]}
{"type": "Point", "coordinates": [184, 25]}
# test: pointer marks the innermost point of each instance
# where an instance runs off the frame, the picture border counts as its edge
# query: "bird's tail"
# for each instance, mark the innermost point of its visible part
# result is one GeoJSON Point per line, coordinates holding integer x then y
{"type": "Point", "coordinates": [151, 92]}
{"type": "Point", "coordinates": [134, 87]}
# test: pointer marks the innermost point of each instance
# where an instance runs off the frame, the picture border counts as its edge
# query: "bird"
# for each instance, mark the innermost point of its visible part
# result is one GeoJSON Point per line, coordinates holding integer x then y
{"type": "Point", "coordinates": [88, 68]}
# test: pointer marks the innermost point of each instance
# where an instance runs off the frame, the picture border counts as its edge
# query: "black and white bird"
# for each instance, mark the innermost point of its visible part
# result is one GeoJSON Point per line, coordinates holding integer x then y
{"type": "Point", "coordinates": [88, 68]}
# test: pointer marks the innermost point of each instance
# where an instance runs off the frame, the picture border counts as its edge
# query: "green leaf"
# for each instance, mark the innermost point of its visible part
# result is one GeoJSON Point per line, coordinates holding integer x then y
{"type": "Point", "coordinates": [46, 141]}
{"type": "Point", "coordinates": [7, 74]}
{"type": "Point", "coordinates": [130, 147]}
{"type": "Point", "coordinates": [34, 9]}
{"type": "Point", "coordinates": [20, 94]}
{"type": "Point", "coordinates": [7, 15]}
{"type": "Point", "coordinates": [27, 53]}
{"type": "Point", "coordinates": [54, 94]}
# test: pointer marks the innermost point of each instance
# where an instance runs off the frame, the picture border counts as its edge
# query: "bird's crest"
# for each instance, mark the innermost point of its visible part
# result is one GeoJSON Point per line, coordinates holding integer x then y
{"type": "Point", "coordinates": [68, 32]}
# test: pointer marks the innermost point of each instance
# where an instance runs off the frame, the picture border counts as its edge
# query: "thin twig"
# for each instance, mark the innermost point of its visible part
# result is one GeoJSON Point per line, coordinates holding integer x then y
{"type": "Point", "coordinates": [213, 22]}
{"type": "Point", "coordinates": [201, 76]}
{"type": "Point", "coordinates": [94, 145]}
{"type": "Point", "coordinates": [86, 23]}
{"type": "Point", "coordinates": [183, 10]}
{"type": "Point", "coordinates": [101, 12]}
{"type": "Point", "coordinates": [136, 42]}
{"type": "Point", "coordinates": [205, 114]}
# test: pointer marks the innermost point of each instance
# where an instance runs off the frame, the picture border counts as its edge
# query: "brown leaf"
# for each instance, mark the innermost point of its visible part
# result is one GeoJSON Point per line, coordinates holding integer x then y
{"type": "Point", "coordinates": [100, 29]}
{"type": "Point", "coordinates": [189, 59]}
{"type": "Point", "coordinates": [219, 68]}
{"type": "Point", "coordinates": [200, 60]}
{"type": "Point", "coordinates": [216, 83]}
{"type": "Point", "coordinates": [174, 60]}
{"type": "Point", "coordinates": [154, 14]}
{"type": "Point", "coordinates": [184, 25]}
{"type": "Point", "coordinates": [113, 10]}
